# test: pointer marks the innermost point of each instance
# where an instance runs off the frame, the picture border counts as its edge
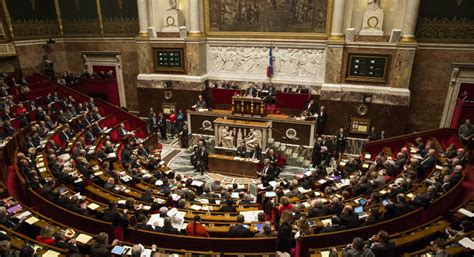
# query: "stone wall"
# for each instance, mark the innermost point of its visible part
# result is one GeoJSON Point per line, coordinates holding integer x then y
{"type": "Point", "coordinates": [430, 81]}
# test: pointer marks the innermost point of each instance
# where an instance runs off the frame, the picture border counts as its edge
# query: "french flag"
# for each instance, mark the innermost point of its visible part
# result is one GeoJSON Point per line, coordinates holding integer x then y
{"type": "Point", "coordinates": [270, 64]}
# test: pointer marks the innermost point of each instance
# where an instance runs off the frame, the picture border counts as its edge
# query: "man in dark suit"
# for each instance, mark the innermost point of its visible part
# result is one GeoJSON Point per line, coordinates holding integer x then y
{"type": "Point", "coordinates": [341, 142]}
{"type": "Point", "coordinates": [228, 207]}
{"type": "Point", "coordinates": [65, 135]}
{"type": "Point", "coordinates": [321, 120]}
{"type": "Point", "coordinates": [122, 131]}
{"type": "Point", "coordinates": [202, 160]}
{"type": "Point", "coordinates": [251, 91]}
{"type": "Point", "coordinates": [428, 163]}
{"type": "Point", "coordinates": [8, 129]}
{"type": "Point", "coordinates": [239, 230]}
{"type": "Point", "coordinates": [241, 150]}
{"type": "Point", "coordinates": [373, 134]}
{"type": "Point", "coordinates": [162, 126]}
{"type": "Point", "coordinates": [267, 173]}
{"type": "Point", "coordinates": [49, 98]}
{"type": "Point", "coordinates": [317, 209]}
{"type": "Point", "coordinates": [310, 107]}
{"type": "Point", "coordinates": [348, 217]}
{"type": "Point", "coordinates": [316, 158]}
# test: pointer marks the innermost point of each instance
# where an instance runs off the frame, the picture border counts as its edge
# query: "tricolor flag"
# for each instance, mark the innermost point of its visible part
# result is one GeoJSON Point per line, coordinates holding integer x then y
{"type": "Point", "coordinates": [270, 64]}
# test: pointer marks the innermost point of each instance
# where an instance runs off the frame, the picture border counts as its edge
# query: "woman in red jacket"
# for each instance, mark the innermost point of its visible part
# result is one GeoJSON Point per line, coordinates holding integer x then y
{"type": "Point", "coordinates": [46, 235]}
{"type": "Point", "coordinates": [196, 228]}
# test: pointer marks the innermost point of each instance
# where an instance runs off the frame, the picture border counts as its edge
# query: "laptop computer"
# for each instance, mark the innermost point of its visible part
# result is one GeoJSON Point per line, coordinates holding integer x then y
{"type": "Point", "coordinates": [359, 210]}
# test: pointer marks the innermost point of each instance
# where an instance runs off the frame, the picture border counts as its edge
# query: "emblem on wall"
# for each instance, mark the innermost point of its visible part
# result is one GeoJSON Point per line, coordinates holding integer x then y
{"type": "Point", "coordinates": [168, 94]}
{"type": "Point", "coordinates": [207, 125]}
{"type": "Point", "coordinates": [291, 134]}
{"type": "Point", "coordinates": [362, 109]}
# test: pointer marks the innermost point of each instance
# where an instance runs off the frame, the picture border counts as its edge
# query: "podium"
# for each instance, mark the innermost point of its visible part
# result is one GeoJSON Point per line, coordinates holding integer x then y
{"type": "Point", "coordinates": [248, 106]}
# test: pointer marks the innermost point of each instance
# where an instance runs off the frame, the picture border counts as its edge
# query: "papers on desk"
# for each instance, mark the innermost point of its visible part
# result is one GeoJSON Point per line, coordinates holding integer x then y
{"type": "Point", "coordinates": [411, 196]}
{"type": "Point", "coordinates": [23, 215]}
{"type": "Point", "coordinates": [325, 253]}
{"type": "Point", "coordinates": [123, 202]}
{"type": "Point", "coordinates": [65, 157]}
{"type": "Point", "coordinates": [111, 155]}
{"type": "Point", "coordinates": [365, 165]}
{"type": "Point", "coordinates": [322, 181]}
{"type": "Point", "coordinates": [98, 173]}
{"type": "Point", "coordinates": [32, 220]}
{"type": "Point", "coordinates": [439, 167]}
{"type": "Point", "coordinates": [467, 243]}
{"type": "Point", "coordinates": [50, 253]}
{"type": "Point", "coordinates": [126, 178]}
{"type": "Point", "coordinates": [83, 238]}
{"type": "Point", "coordinates": [93, 206]}
{"type": "Point", "coordinates": [368, 156]}
{"type": "Point", "coordinates": [154, 218]}
{"type": "Point", "coordinates": [204, 201]}
{"type": "Point", "coordinates": [250, 216]}
{"type": "Point", "coordinates": [272, 183]}
{"type": "Point", "coordinates": [197, 183]}
{"type": "Point", "coordinates": [146, 253]}
{"type": "Point", "coordinates": [270, 194]}
{"type": "Point", "coordinates": [466, 213]}
{"type": "Point", "coordinates": [303, 191]}
{"type": "Point", "coordinates": [235, 195]}
{"type": "Point", "coordinates": [195, 207]}
{"type": "Point", "coordinates": [175, 197]}
{"type": "Point", "coordinates": [326, 222]}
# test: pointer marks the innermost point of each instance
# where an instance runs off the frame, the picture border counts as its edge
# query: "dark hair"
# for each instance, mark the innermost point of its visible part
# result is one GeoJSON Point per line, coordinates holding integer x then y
{"type": "Point", "coordinates": [358, 243]}
{"type": "Point", "coordinates": [439, 242]}
{"type": "Point", "coordinates": [240, 218]}
{"type": "Point", "coordinates": [26, 251]}
{"type": "Point", "coordinates": [196, 218]}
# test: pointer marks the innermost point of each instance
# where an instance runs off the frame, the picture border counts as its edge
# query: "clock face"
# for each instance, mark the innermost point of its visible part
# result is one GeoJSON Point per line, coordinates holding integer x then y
{"type": "Point", "coordinates": [170, 21]}
{"type": "Point", "coordinates": [372, 22]}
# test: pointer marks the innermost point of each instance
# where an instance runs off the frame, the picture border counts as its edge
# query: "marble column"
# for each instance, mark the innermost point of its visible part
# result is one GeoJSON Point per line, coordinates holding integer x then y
{"type": "Point", "coordinates": [150, 11]}
{"type": "Point", "coordinates": [337, 28]}
{"type": "Point", "coordinates": [194, 18]}
{"type": "Point", "coordinates": [142, 18]}
{"type": "Point", "coordinates": [409, 21]}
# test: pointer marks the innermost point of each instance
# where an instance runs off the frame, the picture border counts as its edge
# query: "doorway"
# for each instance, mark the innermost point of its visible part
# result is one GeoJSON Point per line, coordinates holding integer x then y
{"type": "Point", "coordinates": [459, 104]}
{"type": "Point", "coordinates": [112, 89]}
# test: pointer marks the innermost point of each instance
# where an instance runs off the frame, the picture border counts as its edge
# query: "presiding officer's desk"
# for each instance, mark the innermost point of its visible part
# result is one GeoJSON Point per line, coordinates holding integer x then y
{"type": "Point", "coordinates": [202, 123]}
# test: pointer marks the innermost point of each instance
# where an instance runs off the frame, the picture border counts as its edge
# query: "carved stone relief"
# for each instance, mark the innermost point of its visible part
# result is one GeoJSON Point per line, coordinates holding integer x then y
{"type": "Point", "coordinates": [288, 62]}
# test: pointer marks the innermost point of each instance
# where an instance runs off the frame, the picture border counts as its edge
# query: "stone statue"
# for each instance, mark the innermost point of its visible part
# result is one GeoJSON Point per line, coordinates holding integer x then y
{"type": "Point", "coordinates": [227, 138]}
{"type": "Point", "coordinates": [252, 139]}
{"type": "Point", "coordinates": [373, 4]}
{"type": "Point", "coordinates": [173, 4]}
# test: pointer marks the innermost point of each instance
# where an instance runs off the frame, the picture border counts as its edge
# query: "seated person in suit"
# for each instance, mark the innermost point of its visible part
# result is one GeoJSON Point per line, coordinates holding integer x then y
{"type": "Point", "coordinates": [348, 217]}
{"type": "Point", "coordinates": [200, 104]}
{"type": "Point", "coordinates": [241, 150]}
{"type": "Point", "coordinates": [240, 230]}
{"type": "Point", "coordinates": [317, 209]}
{"type": "Point", "coordinates": [251, 90]}
{"type": "Point", "coordinates": [228, 207]}
{"type": "Point", "coordinates": [356, 249]}
{"type": "Point", "coordinates": [266, 231]}
{"type": "Point", "coordinates": [167, 227]}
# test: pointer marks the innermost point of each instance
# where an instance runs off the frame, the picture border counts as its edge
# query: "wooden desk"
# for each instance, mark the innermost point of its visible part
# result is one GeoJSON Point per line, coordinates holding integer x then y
{"type": "Point", "coordinates": [248, 105]}
{"type": "Point", "coordinates": [228, 165]}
